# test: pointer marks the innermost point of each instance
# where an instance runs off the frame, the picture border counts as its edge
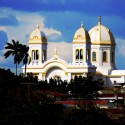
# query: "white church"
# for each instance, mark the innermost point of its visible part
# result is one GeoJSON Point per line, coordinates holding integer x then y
{"type": "Point", "coordinates": [93, 52]}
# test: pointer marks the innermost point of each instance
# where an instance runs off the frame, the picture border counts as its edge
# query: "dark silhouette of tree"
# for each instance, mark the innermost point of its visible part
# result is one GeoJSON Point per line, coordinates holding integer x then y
{"type": "Point", "coordinates": [83, 117]}
{"type": "Point", "coordinates": [85, 87]}
{"type": "Point", "coordinates": [19, 51]}
{"type": "Point", "coordinates": [23, 55]}
{"type": "Point", "coordinates": [16, 110]}
{"type": "Point", "coordinates": [12, 49]}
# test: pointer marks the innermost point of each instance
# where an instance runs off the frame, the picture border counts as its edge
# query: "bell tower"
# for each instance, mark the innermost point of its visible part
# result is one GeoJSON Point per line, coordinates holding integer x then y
{"type": "Point", "coordinates": [81, 47]}
{"type": "Point", "coordinates": [102, 48]}
{"type": "Point", "coordinates": [37, 47]}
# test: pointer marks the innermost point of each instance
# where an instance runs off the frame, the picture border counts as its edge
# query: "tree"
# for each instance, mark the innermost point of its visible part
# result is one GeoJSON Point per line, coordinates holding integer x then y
{"type": "Point", "coordinates": [19, 51]}
{"type": "Point", "coordinates": [86, 87]}
{"type": "Point", "coordinates": [23, 55]}
{"type": "Point", "coordinates": [13, 49]}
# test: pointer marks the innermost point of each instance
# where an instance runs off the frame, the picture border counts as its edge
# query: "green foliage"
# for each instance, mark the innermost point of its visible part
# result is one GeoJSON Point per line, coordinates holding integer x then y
{"type": "Point", "coordinates": [12, 50]}
{"type": "Point", "coordinates": [80, 87]}
{"type": "Point", "coordinates": [19, 52]}
{"type": "Point", "coordinates": [17, 110]}
{"type": "Point", "coordinates": [83, 117]}
{"type": "Point", "coordinates": [6, 76]}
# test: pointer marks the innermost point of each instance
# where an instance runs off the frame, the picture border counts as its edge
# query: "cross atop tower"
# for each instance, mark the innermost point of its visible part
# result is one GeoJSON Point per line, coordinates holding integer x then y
{"type": "Point", "coordinates": [38, 26]}
{"type": "Point", "coordinates": [99, 20]}
{"type": "Point", "coordinates": [55, 51]}
{"type": "Point", "coordinates": [81, 23]}
{"type": "Point", "coordinates": [55, 54]}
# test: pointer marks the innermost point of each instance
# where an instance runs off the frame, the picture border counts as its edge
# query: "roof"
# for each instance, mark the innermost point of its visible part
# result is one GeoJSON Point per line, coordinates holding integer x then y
{"type": "Point", "coordinates": [81, 36]}
{"type": "Point", "coordinates": [76, 102]}
{"type": "Point", "coordinates": [37, 37]}
{"type": "Point", "coordinates": [101, 35]}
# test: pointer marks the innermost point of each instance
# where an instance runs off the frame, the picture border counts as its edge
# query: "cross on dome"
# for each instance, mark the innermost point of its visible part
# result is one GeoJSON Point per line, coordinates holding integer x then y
{"type": "Point", "coordinates": [99, 20]}
{"type": "Point", "coordinates": [38, 26]}
{"type": "Point", "coordinates": [55, 54]}
{"type": "Point", "coordinates": [55, 51]}
{"type": "Point", "coordinates": [81, 23]}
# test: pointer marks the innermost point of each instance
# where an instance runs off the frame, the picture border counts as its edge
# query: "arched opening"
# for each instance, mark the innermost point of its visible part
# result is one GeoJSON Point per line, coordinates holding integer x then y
{"type": "Point", "coordinates": [56, 73]}
{"type": "Point", "coordinates": [104, 59]}
{"type": "Point", "coordinates": [33, 54]}
{"type": "Point", "coordinates": [44, 55]}
{"type": "Point", "coordinates": [88, 55]}
{"type": "Point", "coordinates": [77, 54]}
{"type": "Point", "coordinates": [81, 54]}
{"type": "Point", "coordinates": [37, 54]}
{"type": "Point", "coordinates": [93, 56]}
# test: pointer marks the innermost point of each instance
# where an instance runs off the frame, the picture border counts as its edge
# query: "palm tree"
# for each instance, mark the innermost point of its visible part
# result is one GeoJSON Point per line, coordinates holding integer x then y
{"type": "Point", "coordinates": [23, 55]}
{"type": "Point", "coordinates": [20, 53]}
{"type": "Point", "coordinates": [13, 49]}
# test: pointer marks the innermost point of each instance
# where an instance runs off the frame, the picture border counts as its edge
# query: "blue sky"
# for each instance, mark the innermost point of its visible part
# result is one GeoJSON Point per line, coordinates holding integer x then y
{"type": "Point", "coordinates": [59, 19]}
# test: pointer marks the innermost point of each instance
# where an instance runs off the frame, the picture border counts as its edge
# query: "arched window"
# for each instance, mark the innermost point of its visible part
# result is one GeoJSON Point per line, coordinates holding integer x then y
{"type": "Point", "coordinates": [81, 54]}
{"type": "Point", "coordinates": [77, 54]}
{"type": "Point", "coordinates": [37, 54]}
{"type": "Point", "coordinates": [33, 54]}
{"type": "Point", "coordinates": [93, 56]}
{"type": "Point", "coordinates": [44, 55]}
{"type": "Point", "coordinates": [88, 55]}
{"type": "Point", "coordinates": [104, 56]}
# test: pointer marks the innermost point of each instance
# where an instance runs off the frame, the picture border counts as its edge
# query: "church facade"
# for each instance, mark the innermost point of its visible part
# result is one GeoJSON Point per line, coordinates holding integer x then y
{"type": "Point", "coordinates": [93, 52]}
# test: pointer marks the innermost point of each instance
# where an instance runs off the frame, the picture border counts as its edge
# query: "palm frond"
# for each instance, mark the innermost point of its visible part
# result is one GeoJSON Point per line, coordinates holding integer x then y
{"type": "Point", "coordinates": [14, 43]}
{"type": "Point", "coordinates": [8, 53]}
{"type": "Point", "coordinates": [18, 51]}
{"type": "Point", "coordinates": [15, 59]}
{"type": "Point", "coordinates": [9, 46]}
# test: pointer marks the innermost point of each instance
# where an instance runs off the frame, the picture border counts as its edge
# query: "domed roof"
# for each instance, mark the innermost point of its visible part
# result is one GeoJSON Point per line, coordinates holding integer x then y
{"type": "Point", "coordinates": [101, 35]}
{"type": "Point", "coordinates": [81, 36]}
{"type": "Point", "coordinates": [37, 37]}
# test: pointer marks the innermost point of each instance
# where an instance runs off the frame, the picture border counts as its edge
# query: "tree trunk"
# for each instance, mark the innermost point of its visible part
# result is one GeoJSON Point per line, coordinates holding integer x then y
{"type": "Point", "coordinates": [25, 70]}
{"type": "Point", "coordinates": [16, 69]}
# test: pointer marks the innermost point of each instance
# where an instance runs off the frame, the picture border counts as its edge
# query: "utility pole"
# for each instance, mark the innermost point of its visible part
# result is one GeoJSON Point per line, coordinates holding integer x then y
{"type": "Point", "coordinates": [117, 88]}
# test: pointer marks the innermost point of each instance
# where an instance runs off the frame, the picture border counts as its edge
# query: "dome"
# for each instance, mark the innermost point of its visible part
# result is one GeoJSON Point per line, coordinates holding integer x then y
{"type": "Point", "coordinates": [37, 37]}
{"type": "Point", "coordinates": [81, 36]}
{"type": "Point", "coordinates": [101, 35]}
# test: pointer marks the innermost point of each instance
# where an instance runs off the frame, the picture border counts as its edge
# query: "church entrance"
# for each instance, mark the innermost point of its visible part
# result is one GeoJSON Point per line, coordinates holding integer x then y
{"type": "Point", "coordinates": [56, 73]}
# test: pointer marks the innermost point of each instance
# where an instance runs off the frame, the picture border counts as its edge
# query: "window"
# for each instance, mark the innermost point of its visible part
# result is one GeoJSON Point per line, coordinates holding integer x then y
{"type": "Point", "coordinates": [44, 55]}
{"type": "Point", "coordinates": [104, 56]}
{"type": "Point", "coordinates": [77, 54]}
{"type": "Point", "coordinates": [81, 54]}
{"type": "Point", "coordinates": [94, 56]}
{"type": "Point", "coordinates": [88, 55]}
{"type": "Point", "coordinates": [33, 54]}
{"type": "Point", "coordinates": [37, 54]}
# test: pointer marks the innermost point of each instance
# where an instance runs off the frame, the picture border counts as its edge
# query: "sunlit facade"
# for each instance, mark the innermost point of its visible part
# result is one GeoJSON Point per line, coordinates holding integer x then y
{"type": "Point", "coordinates": [93, 52]}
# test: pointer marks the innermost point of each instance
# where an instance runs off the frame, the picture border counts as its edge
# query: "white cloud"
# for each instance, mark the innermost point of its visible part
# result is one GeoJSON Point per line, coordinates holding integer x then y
{"type": "Point", "coordinates": [120, 44]}
{"type": "Point", "coordinates": [64, 50]}
{"type": "Point", "coordinates": [27, 23]}
{"type": "Point", "coordinates": [3, 28]}
{"type": "Point", "coordinates": [2, 58]}
{"type": "Point", "coordinates": [50, 31]}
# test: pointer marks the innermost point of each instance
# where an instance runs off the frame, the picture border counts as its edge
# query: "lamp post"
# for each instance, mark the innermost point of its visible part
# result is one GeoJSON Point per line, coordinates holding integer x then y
{"type": "Point", "coordinates": [117, 88]}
